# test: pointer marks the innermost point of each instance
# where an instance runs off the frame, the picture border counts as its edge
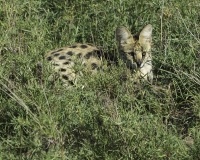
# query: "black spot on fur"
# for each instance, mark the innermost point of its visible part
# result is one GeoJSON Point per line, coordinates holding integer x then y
{"type": "Point", "coordinates": [69, 59]}
{"type": "Point", "coordinates": [55, 64]}
{"type": "Point", "coordinates": [56, 51]}
{"type": "Point", "coordinates": [83, 46]}
{"type": "Point", "coordinates": [74, 46]}
{"type": "Point", "coordinates": [70, 53]}
{"type": "Point", "coordinates": [65, 77]}
{"type": "Point", "coordinates": [70, 82]}
{"type": "Point", "coordinates": [88, 55]}
{"type": "Point", "coordinates": [66, 63]}
{"type": "Point", "coordinates": [98, 52]}
{"type": "Point", "coordinates": [62, 69]}
{"type": "Point", "coordinates": [49, 58]}
{"type": "Point", "coordinates": [57, 54]}
{"type": "Point", "coordinates": [62, 57]}
{"type": "Point", "coordinates": [59, 50]}
{"type": "Point", "coordinates": [94, 66]}
{"type": "Point", "coordinates": [79, 55]}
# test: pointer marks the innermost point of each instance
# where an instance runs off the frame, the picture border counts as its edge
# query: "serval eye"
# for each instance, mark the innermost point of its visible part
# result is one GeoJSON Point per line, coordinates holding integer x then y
{"type": "Point", "coordinates": [132, 54]}
{"type": "Point", "coordinates": [143, 54]}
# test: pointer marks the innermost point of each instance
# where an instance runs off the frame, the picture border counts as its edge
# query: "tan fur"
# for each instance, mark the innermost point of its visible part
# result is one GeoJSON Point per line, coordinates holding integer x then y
{"type": "Point", "coordinates": [136, 50]}
{"type": "Point", "coordinates": [131, 50]}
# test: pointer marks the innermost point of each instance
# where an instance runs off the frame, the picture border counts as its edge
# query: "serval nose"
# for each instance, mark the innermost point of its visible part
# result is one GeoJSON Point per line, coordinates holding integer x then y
{"type": "Point", "coordinates": [139, 62]}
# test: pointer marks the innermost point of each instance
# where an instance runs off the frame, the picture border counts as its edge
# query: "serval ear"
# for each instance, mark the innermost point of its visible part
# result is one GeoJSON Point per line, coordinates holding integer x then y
{"type": "Point", "coordinates": [123, 36]}
{"type": "Point", "coordinates": [145, 36]}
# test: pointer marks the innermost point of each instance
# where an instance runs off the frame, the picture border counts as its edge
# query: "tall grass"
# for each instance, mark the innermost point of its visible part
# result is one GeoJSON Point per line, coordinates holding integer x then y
{"type": "Point", "coordinates": [111, 117]}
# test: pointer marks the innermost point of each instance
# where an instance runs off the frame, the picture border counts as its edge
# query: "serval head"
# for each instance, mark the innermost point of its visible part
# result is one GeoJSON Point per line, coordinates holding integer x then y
{"type": "Point", "coordinates": [136, 50]}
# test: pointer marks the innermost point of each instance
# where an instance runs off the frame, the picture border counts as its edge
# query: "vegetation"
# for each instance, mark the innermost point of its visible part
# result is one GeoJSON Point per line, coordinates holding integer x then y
{"type": "Point", "coordinates": [110, 117]}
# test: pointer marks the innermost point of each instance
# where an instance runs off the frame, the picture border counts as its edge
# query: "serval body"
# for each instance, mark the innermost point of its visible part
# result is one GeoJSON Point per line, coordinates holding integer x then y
{"type": "Point", "coordinates": [135, 51]}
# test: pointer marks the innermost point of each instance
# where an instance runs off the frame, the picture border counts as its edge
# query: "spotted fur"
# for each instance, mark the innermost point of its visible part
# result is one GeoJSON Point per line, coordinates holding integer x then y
{"type": "Point", "coordinates": [133, 50]}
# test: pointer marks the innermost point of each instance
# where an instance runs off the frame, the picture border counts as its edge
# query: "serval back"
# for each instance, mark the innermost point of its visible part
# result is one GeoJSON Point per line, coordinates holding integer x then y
{"type": "Point", "coordinates": [135, 51]}
{"type": "Point", "coordinates": [66, 61]}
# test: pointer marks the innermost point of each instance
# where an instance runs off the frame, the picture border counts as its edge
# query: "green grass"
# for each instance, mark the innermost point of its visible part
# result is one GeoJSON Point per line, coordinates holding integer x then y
{"type": "Point", "coordinates": [111, 118]}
